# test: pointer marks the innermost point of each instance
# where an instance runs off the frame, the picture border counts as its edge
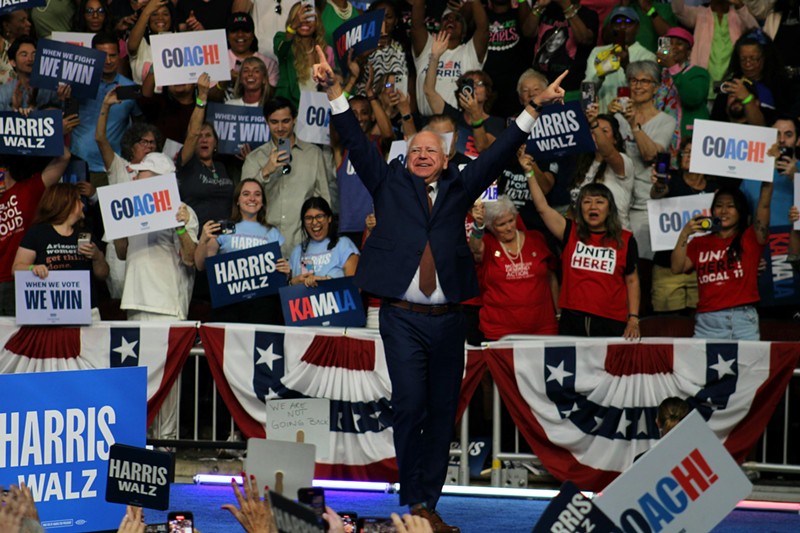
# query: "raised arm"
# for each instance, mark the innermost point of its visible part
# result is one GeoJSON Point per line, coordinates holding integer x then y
{"type": "Point", "coordinates": [554, 221]}
{"type": "Point", "coordinates": [480, 38]}
{"type": "Point", "coordinates": [419, 33]}
{"type": "Point", "coordinates": [106, 152]}
{"type": "Point", "coordinates": [438, 47]}
{"type": "Point", "coordinates": [196, 120]}
{"type": "Point", "coordinates": [679, 261]}
{"type": "Point", "coordinates": [55, 168]}
{"type": "Point", "coordinates": [761, 222]}
{"type": "Point", "coordinates": [138, 30]}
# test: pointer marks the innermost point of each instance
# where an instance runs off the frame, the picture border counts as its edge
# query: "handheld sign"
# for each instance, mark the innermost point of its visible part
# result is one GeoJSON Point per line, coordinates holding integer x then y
{"type": "Point", "coordinates": [560, 131]}
{"type": "Point", "coordinates": [138, 476]}
{"type": "Point", "coordinates": [79, 67]}
{"type": "Point", "coordinates": [333, 302]}
{"type": "Point", "coordinates": [237, 125]}
{"type": "Point", "coordinates": [292, 517]}
{"type": "Point", "coordinates": [360, 34]}
{"type": "Point", "coordinates": [73, 37]}
{"type": "Point", "coordinates": [668, 216]}
{"type": "Point", "coordinates": [687, 482]}
{"type": "Point", "coordinates": [39, 134]}
{"type": "Point", "coordinates": [7, 6]}
{"type": "Point", "coordinates": [572, 512]}
{"type": "Point", "coordinates": [312, 416]}
{"type": "Point", "coordinates": [57, 441]}
{"type": "Point", "coordinates": [244, 274]}
{"type": "Point", "coordinates": [183, 57]}
{"type": "Point", "coordinates": [732, 150]}
{"type": "Point", "coordinates": [76, 172]}
{"type": "Point", "coordinates": [313, 118]}
{"type": "Point", "coordinates": [275, 462]}
{"type": "Point", "coordinates": [63, 298]}
{"type": "Point", "coordinates": [139, 206]}
{"type": "Point", "coordinates": [397, 150]}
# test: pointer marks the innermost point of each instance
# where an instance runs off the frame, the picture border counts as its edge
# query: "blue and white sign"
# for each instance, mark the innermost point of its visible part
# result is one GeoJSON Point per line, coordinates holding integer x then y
{"type": "Point", "coordinates": [79, 67]}
{"type": "Point", "coordinates": [237, 125]}
{"type": "Point", "coordinates": [733, 150]}
{"type": "Point", "coordinates": [244, 274]}
{"type": "Point", "coordinates": [360, 34]}
{"type": "Point", "coordinates": [668, 216]}
{"type": "Point", "coordinates": [397, 150]}
{"type": "Point", "coordinates": [333, 302]}
{"type": "Point", "coordinates": [76, 172]}
{"type": "Point", "coordinates": [138, 476]}
{"type": "Point", "coordinates": [572, 512]}
{"type": "Point", "coordinates": [7, 6]}
{"type": "Point", "coordinates": [561, 130]}
{"type": "Point", "coordinates": [140, 206]}
{"type": "Point", "coordinates": [39, 134]}
{"type": "Point", "coordinates": [73, 37]}
{"type": "Point", "coordinates": [183, 57]}
{"type": "Point", "coordinates": [314, 118]}
{"type": "Point", "coordinates": [57, 440]}
{"type": "Point", "coordinates": [63, 298]}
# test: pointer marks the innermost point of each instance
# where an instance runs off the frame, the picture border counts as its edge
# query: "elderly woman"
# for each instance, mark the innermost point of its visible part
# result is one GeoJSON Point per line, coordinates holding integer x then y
{"type": "Point", "coordinates": [517, 272]}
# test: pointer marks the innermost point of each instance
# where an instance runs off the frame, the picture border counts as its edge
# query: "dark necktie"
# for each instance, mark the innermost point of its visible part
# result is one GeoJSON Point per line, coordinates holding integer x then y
{"type": "Point", "coordinates": [427, 268]}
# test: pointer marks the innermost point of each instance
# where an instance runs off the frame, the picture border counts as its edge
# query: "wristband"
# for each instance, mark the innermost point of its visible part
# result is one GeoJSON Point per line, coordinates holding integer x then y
{"type": "Point", "coordinates": [536, 107]}
{"type": "Point", "coordinates": [30, 267]}
{"type": "Point", "coordinates": [530, 174]}
{"type": "Point", "coordinates": [477, 123]}
{"type": "Point", "coordinates": [520, 2]}
{"type": "Point", "coordinates": [290, 30]}
{"type": "Point", "coordinates": [749, 99]}
{"type": "Point", "coordinates": [346, 94]}
{"type": "Point", "coordinates": [201, 104]}
{"type": "Point", "coordinates": [633, 315]}
{"type": "Point", "coordinates": [407, 117]}
{"type": "Point", "coordinates": [652, 12]}
{"type": "Point", "coordinates": [181, 230]}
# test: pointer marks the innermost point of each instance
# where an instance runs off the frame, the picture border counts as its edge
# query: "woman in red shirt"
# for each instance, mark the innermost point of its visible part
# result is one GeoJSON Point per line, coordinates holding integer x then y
{"type": "Point", "coordinates": [518, 283]}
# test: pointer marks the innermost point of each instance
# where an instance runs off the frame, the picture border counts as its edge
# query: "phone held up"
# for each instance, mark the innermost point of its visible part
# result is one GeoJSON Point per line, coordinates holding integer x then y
{"type": "Point", "coordinates": [372, 524]}
{"type": "Point", "coordinates": [285, 145]}
{"type": "Point", "coordinates": [662, 167]}
{"type": "Point", "coordinates": [180, 522]}
{"type": "Point", "coordinates": [314, 497]}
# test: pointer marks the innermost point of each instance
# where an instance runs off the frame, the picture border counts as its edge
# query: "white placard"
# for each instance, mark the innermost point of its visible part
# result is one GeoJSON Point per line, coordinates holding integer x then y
{"type": "Point", "coordinates": [183, 57]}
{"type": "Point", "coordinates": [63, 298]}
{"type": "Point", "coordinates": [398, 151]}
{"type": "Point", "coordinates": [310, 415]}
{"type": "Point", "coordinates": [139, 206]}
{"type": "Point", "coordinates": [796, 198]}
{"type": "Point", "coordinates": [73, 37]}
{"type": "Point", "coordinates": [172, 149]}
{"type": "Point", "coordinates": [733, 150]}
{"type": "Point", "coordinates": [314, 118]}
{"type": "Point", "coordinates": [668, 216]}
{"type": "Point", "coordinates": [687, 482]}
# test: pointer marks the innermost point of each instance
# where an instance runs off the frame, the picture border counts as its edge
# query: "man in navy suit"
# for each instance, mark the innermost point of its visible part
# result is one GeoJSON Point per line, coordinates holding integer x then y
{"type": "Point", "coordinates": [418, 261]}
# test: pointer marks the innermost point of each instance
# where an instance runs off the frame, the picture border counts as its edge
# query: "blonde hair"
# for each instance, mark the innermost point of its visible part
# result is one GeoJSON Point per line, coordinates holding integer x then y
{"type": "Point", "coordinates": [302, 59]}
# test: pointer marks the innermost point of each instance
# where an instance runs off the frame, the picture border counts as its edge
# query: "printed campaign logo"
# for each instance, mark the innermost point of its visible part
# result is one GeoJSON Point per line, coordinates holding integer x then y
{"type": "Point", "coordinates": [79, 67]}
{"type": "Point", "coordinates": [732, 150]}
{"type": "Point", "coordinates": [594, 258]}
{"type": "Point", "coordinates": [41, 133]}
{"type": "Point", "coordinates": [183, 57]}
{"type": "Point", "coordinates": [237, 126]}
{"type": "Point", "coordinates": [7, 6]}
{"type": "Point", "coordinates": [560, 131]}
{"type": "Point", "coordinates": [360, 34]}
{"type": "Point", "coordinates": [334, 302]}
{"type": "Point", "coordinates": [62, 299]}
{"type": "Point", "coordinates": [244, 274]}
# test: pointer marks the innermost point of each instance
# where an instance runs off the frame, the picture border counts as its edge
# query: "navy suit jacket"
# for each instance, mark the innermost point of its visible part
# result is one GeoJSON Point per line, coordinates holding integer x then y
{"type": "Point", "coordinates": [392, 252]}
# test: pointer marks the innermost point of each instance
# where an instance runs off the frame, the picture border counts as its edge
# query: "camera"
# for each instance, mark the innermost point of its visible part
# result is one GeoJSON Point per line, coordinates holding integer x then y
{"type": "Point", "coordinates": [786, 151]}
{"type": "Point", "coordinates": [467, 87]}
{"type": "Point", "coordinates": [711, 224]}
{"type": "Point", "coordinates": [285, 145]}
{"type": "Point", "coordinates": [226, 227]}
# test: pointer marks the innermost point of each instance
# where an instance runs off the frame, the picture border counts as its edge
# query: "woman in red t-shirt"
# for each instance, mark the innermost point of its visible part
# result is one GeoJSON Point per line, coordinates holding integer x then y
{"type": "Point", "coordinates": [518, 283]}
{"type": "Point", "coordinates": [726, 261]}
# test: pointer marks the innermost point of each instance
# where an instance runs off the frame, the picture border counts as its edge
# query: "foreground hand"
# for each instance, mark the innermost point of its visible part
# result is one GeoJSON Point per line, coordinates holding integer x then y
{"type": "Point", "coordinates": [183, 214]}
{"type": "Point", "coordinates": [794, 214]}
{"type": "Point", "coordinates": [786, 165]}
{"type": "Point", "coordinates": [335, 524]}
{"type": "Point", "coordinates": [553, 93]}
{"type": "Point", "coordinates": [322, 71]}
{"type": "Point", "coordinates": [70, 123]}
{"type": "Point", "coordinates": [40, 271]}
{"type": "Point", "coordinates": [133, 521]}
{"type": "Point", "coordinates": [282, 265]}
{"type": "Point", "coordinates": [89, 250]}
{"type": "Point", "coordinates": [254, 514]}
{"type": "Point", "coordinates": [85, 188]}
{"type": "Point", "coordinates": [411, 524]}
{"type": "Point", "coordinates": [632, 332]}
{"type": "Point", "coordinates": [210, 231]}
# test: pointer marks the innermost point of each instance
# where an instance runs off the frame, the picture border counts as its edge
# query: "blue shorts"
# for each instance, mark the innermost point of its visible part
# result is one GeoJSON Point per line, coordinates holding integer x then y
{"type": "Point", "coordinates": [737, 323]}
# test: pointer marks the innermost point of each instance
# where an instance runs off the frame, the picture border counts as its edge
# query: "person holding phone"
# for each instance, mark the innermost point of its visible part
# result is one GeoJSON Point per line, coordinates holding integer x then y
{"type": "Point", "coordinates": [726, 262]}
{"type": "Point", "coordinates": [249, 213]}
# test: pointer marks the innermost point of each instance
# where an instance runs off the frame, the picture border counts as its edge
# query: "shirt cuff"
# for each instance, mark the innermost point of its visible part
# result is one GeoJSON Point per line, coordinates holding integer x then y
{"type": "Point", "coordinates": [339, 104]}
{"type": "Point", "coordinates": [525, 121]}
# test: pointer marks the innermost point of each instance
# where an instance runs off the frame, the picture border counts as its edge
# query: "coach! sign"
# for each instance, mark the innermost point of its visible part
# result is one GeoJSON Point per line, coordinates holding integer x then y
{"type": "Point", "coordinates": [140, 206]}
{"type": "Point", "coordinates": [733, 150]}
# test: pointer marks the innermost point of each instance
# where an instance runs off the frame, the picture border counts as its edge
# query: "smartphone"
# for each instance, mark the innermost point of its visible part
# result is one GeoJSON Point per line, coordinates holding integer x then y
{"type": "Point", "coordinates": [226, 227]}
{"type": "Point", "coordinates": [286, 145]}
{"type": "Point", "coordinates": [349, 520]}
{"type": "Point", "coordinates": [467, 87]}
{"type": "Point", "coordinates": [710, 223]}
{"type": "Point", "coordinates": [314, 497]}
{"type": "Point", "coordinates": [156, 528]}
{"type": "Point", "coordinates": [662, 166]}
{"type": "Point", "coordinates": [664, 46]}
{"type": "Point", "coordinates": [71, 106]}
{"type": "Point", "coordinates": [588, 93]}
{"type": "Point", "coordinates": [624, 96]}
{"type": "Point", "coordinates": [128, 92]}
{"type": "Point", "coordinates": [84, 238]}
{"type": "Point", "coordinates": [180, 522]}
{"type": "Point", "coordinates": [372, 524]}
{"type": "Point", "coordinates": [312, 14]}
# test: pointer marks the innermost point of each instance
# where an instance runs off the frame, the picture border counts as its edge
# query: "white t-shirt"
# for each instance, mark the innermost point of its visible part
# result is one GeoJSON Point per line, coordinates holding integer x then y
{"type": "Point", "coordinates": [452, 65]}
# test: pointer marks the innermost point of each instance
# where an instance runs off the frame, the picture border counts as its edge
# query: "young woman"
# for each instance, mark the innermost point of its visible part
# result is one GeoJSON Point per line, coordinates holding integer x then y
{"type": "Point", "coordinates": [157, 16]}
{"type": "Point", "coordinates": [249, 213]}
{"type": "Point", "coordinates": [600, 285]}
{"type": "Point", "coordinates": [726, 261]}
{"type": "Point", "coordinates": [322, 254]}
{"type": "Point", "coordinates": [252, 86]}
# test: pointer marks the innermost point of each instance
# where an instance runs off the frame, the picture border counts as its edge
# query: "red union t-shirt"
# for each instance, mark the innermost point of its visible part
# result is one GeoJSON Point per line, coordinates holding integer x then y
{"type": "Point", "coordinates": [17, 209]}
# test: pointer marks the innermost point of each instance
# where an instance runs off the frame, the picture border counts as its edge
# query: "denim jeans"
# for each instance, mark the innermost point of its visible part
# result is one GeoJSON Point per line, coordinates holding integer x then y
{"type": "Point", "coordinates": [738, 323]}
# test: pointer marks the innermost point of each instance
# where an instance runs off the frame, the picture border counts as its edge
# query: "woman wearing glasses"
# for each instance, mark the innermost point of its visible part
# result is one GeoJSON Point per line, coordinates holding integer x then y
{"type": "Point", "coordinates": [323, 254]}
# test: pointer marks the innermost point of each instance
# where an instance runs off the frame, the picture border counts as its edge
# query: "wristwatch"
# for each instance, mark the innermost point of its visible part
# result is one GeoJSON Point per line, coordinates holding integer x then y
{"type": "Point", "coordinates": [536, 107]}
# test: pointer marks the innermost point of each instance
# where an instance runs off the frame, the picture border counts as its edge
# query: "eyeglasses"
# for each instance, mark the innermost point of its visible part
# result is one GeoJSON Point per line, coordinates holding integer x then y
{"type": "Point", "coordinates": [278, 8]}
{"type": "Point", "coordinates": [749, 59]}
{"type": "Point", "coordinates": [308, 219]}
{"type": "Point", "coordinates": [147, 142]}
{"type": "Point", "coordinates": [92, 11]}
{"type": "Point", "coordinates": [637, 81]}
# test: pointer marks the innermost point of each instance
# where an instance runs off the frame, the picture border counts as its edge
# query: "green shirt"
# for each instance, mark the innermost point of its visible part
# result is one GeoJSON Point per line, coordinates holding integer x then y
{"type": "Point", "coordinates": [331, 21]}
{"type": "Point", "coordinates": [647, 36]}
{"type": "Point", "coordinates": [721, 52]}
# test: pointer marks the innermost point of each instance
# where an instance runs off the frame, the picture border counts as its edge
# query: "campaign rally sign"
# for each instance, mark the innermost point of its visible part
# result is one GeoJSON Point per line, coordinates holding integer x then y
{"type": "Point", "coordinates": [183, 57]}
{"type": "Point", "coordinates": [333, 302]}
{"type": "Point", "coordinates": [140, 206]}
{"type": "Point", "coordinates": [360, 34]}
{"type": "Point", "coordinates": [244, 274]}
{"type": "Point", "coordinates": [291, 517]}
{"type": "Point", "coordinates": [138, 476]}
{"type": "Point", "coordinates": [63, 298]}
{"type": "Point", "coordinates": [732, 150]}
{"type": "Point", "coordinates": [39, 134]}
{"type": "Point", "coordinates": [314, 118]}
{"type": "Point", "coordinates": [687, 482]}
{"type": "Point", "coordinates": [561, 130]}
{"type": "Point", "coordinates": [397, 150]}
{"type": "Point", "coordinates": [58, 428]}
{"type": "Point", "coordinates": [777, 284]}
{"type": "Point", "coordinates": [76, 172]}
{"type": "Point", "coordinates": [237, 125]}
{"type": "Point", "coordinates": [312, 416]}
{"type": "Point", "coordinates": [668, 216]}
{"type": "Point", "coordinates": [73, 37]}
{"type": "Point", "coordinates": [79, 67]}
{"type": "Point", "coordinates": [572, 512]}
{"type": "Point", "coordinates": [7, 6]}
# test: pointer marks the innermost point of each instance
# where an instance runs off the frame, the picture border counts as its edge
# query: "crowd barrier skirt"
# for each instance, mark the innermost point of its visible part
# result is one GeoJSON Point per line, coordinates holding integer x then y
{"type": "Point", "coordinates": [587, 407]}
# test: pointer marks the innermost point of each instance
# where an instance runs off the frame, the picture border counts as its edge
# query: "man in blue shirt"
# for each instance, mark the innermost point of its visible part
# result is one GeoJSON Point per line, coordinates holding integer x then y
{"type": "Point", "coordinates": [119, 118]}
{"type": "Point", "coordinates": [18, 94]}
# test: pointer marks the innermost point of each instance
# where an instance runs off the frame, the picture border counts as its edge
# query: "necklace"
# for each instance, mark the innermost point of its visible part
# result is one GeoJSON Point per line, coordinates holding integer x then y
{"type": "Point", "coordinates": [513, 257]}
{"type": "Point", "coordinates": [345, 13]}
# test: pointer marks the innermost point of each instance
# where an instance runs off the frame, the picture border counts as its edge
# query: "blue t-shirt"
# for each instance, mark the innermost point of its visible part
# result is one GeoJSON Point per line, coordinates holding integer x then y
{"type": "Point", "coordinates": [322, 261]}
{"type": "Point", "coordinates": [249, 235]}
{"type": "Point", "coordinates": [782, 198]}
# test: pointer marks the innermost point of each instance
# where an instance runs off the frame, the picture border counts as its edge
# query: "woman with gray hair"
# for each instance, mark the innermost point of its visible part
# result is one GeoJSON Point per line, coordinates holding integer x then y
{"type": "Point", "coordinates": [517, 272]}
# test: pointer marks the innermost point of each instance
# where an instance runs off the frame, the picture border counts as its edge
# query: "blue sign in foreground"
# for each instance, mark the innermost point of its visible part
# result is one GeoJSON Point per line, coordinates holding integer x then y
{"type": "Point", "coordinates": [561, 130]}
{"type": "Point", "coordinates": [56, 430]}
{"type": "Point", "coordinates": [572, 512]}
{"type": "Point", "coordinates": [334, 302]}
